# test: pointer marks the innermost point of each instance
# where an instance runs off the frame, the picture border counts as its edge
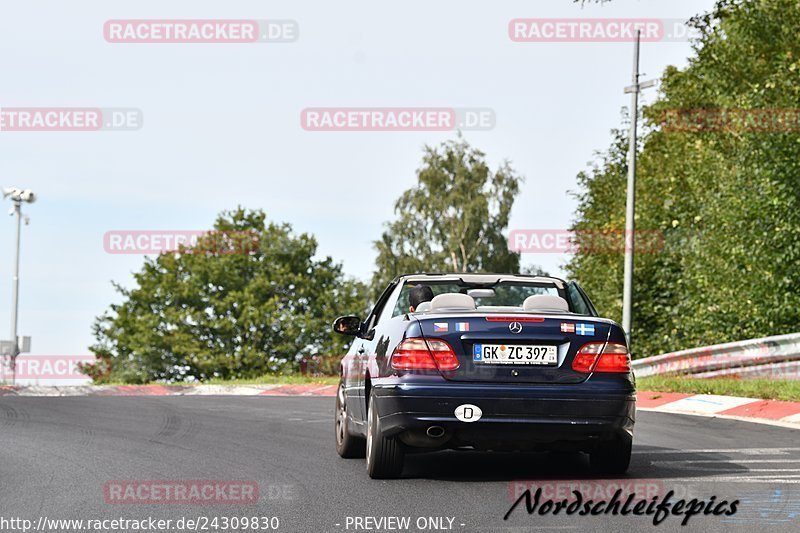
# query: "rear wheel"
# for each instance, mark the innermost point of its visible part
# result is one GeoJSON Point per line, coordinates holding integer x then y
{"type": "Point", "coordinates": [612, 457]}
{"type": "Point", "coordinates": [347, 445]}
{"type": "Point", "coordinates": [385, 456]}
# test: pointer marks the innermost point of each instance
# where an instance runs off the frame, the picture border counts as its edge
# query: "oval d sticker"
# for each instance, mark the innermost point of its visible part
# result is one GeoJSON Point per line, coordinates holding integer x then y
{"type": "Point", "coordinates": [468, 413]}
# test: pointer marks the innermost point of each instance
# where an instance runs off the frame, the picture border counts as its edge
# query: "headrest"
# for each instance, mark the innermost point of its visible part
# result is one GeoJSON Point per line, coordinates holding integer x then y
{"type": "Point", "coordinates": [452, 301]}
{"type": "Point", "coordinates": [539, 302]}
{"type": "Point", "coordinates": [423, 307]}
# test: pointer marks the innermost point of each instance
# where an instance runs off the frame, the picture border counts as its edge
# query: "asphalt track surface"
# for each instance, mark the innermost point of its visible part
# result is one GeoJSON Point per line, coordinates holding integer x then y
{"type": "Point", "coordinates": [57, 454]}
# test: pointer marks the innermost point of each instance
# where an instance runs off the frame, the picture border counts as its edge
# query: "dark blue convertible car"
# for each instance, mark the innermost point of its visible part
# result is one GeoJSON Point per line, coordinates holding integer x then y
{"type": "Point", "coordinates": [490, 362]}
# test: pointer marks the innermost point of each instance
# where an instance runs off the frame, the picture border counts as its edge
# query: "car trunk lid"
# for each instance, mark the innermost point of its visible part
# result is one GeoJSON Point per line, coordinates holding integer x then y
{"type": "Point", "coordinates": [471, 336]}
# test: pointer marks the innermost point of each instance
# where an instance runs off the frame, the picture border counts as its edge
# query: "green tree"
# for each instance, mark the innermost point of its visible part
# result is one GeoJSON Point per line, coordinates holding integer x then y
{"type": "Point", "coordinates": [453, 219]}
{"type": "Point", "coordinates": [247, 300]}
{"type": "Point", "coordinates": [725, 195]}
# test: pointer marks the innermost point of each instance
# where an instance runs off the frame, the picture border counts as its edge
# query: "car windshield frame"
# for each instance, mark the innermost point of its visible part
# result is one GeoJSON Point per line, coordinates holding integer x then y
{"type": "Point", "coordinates": [553, 287]}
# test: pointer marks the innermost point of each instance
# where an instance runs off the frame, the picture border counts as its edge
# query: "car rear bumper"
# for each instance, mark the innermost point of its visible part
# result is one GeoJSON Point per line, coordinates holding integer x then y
{"type": "Point", "coordinates": [514, 416]}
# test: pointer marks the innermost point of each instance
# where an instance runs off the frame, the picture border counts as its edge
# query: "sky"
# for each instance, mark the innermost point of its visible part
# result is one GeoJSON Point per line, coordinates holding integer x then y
{"type": "Point", "coordinates": [221, 127]}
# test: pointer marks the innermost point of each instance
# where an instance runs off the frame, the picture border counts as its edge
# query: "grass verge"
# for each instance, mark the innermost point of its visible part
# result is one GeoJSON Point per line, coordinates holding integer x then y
{"type": "Point", "coordinates": [765, 389]}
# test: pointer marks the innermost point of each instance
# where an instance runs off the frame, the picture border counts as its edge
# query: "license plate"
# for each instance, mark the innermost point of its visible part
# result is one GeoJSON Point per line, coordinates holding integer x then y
{"type": "Point", "coordinates": [514, 354]}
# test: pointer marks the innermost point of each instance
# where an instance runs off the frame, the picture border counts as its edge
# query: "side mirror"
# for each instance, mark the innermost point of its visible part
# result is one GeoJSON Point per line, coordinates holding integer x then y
{"type": "Point", "coordinates": [347, 325]}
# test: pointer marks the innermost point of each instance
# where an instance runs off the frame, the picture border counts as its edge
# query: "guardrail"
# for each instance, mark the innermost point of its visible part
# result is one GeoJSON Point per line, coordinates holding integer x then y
{"type": "Point", "coordinates": [770, 357]}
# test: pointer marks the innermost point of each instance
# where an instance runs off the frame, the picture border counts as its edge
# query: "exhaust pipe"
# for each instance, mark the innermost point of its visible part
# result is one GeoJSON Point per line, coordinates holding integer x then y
{"type": "Point", "coordinates": [435, 432]}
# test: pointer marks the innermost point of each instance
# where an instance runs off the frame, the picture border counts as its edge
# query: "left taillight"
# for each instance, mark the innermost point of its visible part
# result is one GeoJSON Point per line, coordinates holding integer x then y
{"type": "Point", "coordinates": [424, 354]}
{"type": "Point", "coordinates": [602, 357]}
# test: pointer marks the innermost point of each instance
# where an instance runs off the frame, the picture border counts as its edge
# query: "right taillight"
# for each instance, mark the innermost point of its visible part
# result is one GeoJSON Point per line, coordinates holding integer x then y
{"type": "Point", "coordinates": [424, 354]}
{"type": "Point", "coordinates": [602, 357]}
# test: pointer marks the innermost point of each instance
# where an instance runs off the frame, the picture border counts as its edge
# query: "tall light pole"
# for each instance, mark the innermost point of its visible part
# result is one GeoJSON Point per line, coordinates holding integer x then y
{"type": "Point", "coordinates": [630, 203]}
{"type": "Point", "coordinates": [17, 196]}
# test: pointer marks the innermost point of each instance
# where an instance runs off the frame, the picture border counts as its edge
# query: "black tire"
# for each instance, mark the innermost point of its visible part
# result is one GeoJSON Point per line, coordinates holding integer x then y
{"type": "Point", "coordinates": [612, 457]}
{"type": "Point", "coordinates": [348, 445]}
{"type": "Point", "coordinates": [385, 456]}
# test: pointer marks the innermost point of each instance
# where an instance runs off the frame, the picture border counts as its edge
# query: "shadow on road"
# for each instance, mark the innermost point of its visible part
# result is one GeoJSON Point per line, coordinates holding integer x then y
{"type": "Point", "coordinates": [648, 462]}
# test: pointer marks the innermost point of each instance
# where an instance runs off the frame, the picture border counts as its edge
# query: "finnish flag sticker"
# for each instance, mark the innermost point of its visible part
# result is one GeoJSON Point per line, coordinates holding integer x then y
{"type": "Point", "coordinates": [584, 329]}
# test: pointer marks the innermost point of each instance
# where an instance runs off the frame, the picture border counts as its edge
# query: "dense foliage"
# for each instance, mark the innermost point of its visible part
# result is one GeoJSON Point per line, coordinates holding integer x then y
{"type": "Point", "coordinates": [247, 300]}
{"type": "Point", "coordinates": [719, 175]}
{"type": "Point", "coordinates": [453, 219]}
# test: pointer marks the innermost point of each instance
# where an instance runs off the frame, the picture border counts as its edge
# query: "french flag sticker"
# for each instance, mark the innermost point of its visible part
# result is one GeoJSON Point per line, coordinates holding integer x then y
{"type": "Point", "coordinates": [462, 326]}
{"type": "Point", "coordinates": [439, 327]}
